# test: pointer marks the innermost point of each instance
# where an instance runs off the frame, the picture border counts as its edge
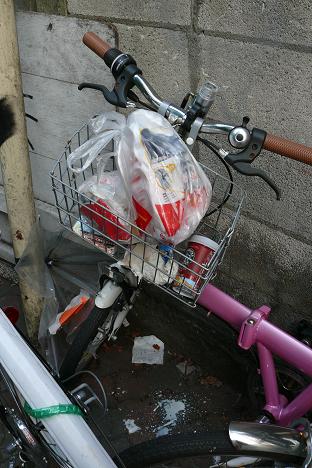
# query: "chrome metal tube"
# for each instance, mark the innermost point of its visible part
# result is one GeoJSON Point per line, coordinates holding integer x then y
{"type": "Point", "coordinates": [216, 128]}
{"type": "Point", "coordinates": [267, 439]}
{"type": "Point", "coordinates": [150, 94]}
{"type": "Point", "coordinates": [147, 91]}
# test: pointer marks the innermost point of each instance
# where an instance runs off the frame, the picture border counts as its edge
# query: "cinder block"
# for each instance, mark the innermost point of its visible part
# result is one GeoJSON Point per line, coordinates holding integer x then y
{"type": "Point", "coordinates": [45, 6]}
{"type": "Point", "coordinates": [163, 57]}
{"type": "Point", "coordinates": [282, 21]}
{"type": "Point", "coordinates": [175, 12]}
{"type": "Point", "coordinates": [263, 266]}
{"type": "Point", "coordinates": [25, 5]}
{"type": "Point", "coordinates": [40, 169]}
{"type": "Point", "coordinates": [60, 109]}
{"type": "Point", "coordinates": [272, 86]}
{"type": "Point", "coordinates": [51, 46]}
{"type": "Point", "coordinates": [54, 61]}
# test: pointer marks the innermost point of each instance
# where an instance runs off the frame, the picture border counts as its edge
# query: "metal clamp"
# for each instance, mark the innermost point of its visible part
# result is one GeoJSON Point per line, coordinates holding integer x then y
{"type": "Point", "coordinates": [163, 107]}
{"type": "Point", "coordinates": [249, 329]}
{"type": "Point", "coordinates": [195, 129]}
{"type": "Point", "coordinates": [85, 395]}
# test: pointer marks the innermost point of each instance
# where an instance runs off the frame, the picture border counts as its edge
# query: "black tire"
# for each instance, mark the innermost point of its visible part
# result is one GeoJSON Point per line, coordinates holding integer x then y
{"type": "Point", "coordinates": [84, 336]}
{"type": "Point", "coordinates": [183, 448]}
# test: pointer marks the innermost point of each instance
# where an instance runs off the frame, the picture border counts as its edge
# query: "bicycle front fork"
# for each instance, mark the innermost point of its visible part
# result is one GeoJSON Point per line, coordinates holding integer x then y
{"type": "Point", "coordinates": [118, 294]}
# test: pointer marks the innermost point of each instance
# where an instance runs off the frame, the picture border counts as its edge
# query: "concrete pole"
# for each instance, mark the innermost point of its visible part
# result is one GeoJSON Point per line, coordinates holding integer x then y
{"type": "Point", "coordinates": [14, 156]}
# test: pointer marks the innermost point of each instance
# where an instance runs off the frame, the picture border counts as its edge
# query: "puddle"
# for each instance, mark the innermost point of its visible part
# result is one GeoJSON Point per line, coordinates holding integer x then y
{"type": "Point", "coordinates": [171, 410]}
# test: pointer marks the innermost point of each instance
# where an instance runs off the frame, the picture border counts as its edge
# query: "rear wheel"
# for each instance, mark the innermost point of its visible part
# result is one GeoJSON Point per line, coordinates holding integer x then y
{"type": "Point", "coordinates": [201, 450]}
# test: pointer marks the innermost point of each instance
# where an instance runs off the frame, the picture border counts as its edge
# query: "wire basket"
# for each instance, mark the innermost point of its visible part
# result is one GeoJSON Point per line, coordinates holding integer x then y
{"type": "Point", "coordinates": [138, 249]}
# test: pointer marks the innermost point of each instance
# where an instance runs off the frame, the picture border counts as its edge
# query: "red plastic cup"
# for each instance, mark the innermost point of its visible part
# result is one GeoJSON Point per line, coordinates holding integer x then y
{"type": "Point", "coordinates": [201, 250]}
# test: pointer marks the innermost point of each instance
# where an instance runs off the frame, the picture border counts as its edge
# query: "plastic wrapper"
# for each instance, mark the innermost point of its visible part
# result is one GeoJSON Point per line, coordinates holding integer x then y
{"type": "Point", "coordinates": [107, 129]}
{"type": "Point", "coordinates": [84, 229]}
{"type": "Point", "coordinates": [111, 207]}
{"type": "Point", "coordinates": [58, 267]}
{"type": "Point", "coordinates": [147, 262]}
{"type": "Point", "coordinates": [72, 315]}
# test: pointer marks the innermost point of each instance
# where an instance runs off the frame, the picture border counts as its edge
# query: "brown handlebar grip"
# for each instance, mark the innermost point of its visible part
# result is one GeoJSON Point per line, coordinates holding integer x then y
{"type": "Point", "coordinates": [288, 148]}
{"type": "Point", "coordinates": [96, 44]}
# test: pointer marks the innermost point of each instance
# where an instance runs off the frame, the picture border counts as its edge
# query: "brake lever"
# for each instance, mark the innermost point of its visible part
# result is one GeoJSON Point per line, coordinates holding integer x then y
{"type": "Point", "coordinates": [242, 160]}
{"type": "Point", "coordinates": [123, 84]}
{"type": "Point", "coordinates": [110, 96]}
{"type": "Point", "coordinates": [246, 169]}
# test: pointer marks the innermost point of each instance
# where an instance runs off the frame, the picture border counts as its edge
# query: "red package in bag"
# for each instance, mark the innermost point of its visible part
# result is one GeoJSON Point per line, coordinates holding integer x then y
{"type": "Point", "coordinates": [105, 221]}
{"type": "Point", "coordinates": [171, 215]}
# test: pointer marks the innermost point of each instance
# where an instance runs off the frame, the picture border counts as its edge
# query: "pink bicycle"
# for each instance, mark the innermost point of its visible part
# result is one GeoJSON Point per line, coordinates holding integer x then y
{"type": "Point", "coordinates": [121, 283]}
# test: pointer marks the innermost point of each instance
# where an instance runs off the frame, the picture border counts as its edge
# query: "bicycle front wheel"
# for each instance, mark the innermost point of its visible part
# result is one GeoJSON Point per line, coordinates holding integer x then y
{"type": "Point", "coordinates": [77, 356]}
{"type": "Point", "coordinates": [200, 450]}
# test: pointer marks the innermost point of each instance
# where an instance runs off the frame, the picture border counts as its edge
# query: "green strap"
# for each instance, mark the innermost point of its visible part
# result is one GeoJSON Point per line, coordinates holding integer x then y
{"type": "Point", "coordinates": [41, 413]}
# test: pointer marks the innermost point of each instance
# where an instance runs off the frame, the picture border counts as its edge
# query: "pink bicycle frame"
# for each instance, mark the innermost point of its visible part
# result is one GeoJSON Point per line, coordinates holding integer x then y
{"type": "Point", "coordinates": [254, 329]}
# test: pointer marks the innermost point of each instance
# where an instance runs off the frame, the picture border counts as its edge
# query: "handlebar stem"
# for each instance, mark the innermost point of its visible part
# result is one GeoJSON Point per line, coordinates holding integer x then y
{"type": "Point", "coordinates": [173, 113]}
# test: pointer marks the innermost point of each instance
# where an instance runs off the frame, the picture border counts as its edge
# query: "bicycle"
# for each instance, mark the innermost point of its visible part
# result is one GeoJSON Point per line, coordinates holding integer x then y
{"type": "Point", "coordinates": [65, 436]}
{"type": "Point", "coordinates": [120, 285]}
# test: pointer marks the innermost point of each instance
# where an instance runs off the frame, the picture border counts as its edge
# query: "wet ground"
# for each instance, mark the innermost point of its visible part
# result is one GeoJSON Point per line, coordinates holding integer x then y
{"type": "Point", "coordinates": [147, 401]}
{"type": "Point", "coordinates": [200, 385]}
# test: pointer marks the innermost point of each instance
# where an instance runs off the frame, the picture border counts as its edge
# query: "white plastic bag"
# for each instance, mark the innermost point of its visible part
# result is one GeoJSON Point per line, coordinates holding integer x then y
{"type": "Point", "coordinates": [111, 210]}
{"type": "Point", "coordinates": [105, 188]}
{"type": "Point", "coordinates": [109, 188]}
{"type": "Point", "coordinates": [161, 187]}
{"type": "Point", "coordinates": [169, 190]}
{"type": "Point", "coordinates": [106, 127]}
{"type": "Point", "coordinates": [146, 262]}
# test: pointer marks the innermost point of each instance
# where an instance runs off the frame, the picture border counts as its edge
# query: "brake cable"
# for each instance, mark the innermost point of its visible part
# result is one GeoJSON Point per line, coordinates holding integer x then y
{"type": "Point", "coordinates": [215, 150]}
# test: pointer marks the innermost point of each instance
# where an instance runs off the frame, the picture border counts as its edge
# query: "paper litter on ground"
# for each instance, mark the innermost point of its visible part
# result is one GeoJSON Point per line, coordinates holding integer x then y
{"type": "Point", "coordinates": [148, 350]}
{"type": "Point", "coordinates": [186, 368]}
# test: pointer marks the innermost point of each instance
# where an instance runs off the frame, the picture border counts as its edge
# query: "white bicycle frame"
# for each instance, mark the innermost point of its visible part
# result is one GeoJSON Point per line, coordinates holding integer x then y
{"type": "Point", "coordinates": [70, 432]}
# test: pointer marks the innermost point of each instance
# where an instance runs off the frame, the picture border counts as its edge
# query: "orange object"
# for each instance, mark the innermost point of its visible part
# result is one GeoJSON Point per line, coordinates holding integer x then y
{"type": "Point", "coordinates": [69, 313]}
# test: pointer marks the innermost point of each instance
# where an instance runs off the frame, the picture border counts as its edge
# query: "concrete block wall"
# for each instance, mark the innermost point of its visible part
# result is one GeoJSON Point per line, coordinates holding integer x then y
{"type": "Point", "coordinates": [51, 69]}
{"type": "Point", "coordinates": [259, 52]}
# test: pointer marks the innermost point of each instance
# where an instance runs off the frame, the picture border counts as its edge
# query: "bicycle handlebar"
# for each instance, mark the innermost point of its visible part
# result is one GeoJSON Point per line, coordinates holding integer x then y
{"type": "Point", "coordinates": [96, 44]}
{"type": "Point", "coordinates": [288, 148]}
{"type": "Point", "coordinates": [271, 143]}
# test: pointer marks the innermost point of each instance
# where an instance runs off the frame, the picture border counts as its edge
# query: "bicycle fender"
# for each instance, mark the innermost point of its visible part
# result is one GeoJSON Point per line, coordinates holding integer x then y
{"type": "Point", "coordinates": [108, 295]}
